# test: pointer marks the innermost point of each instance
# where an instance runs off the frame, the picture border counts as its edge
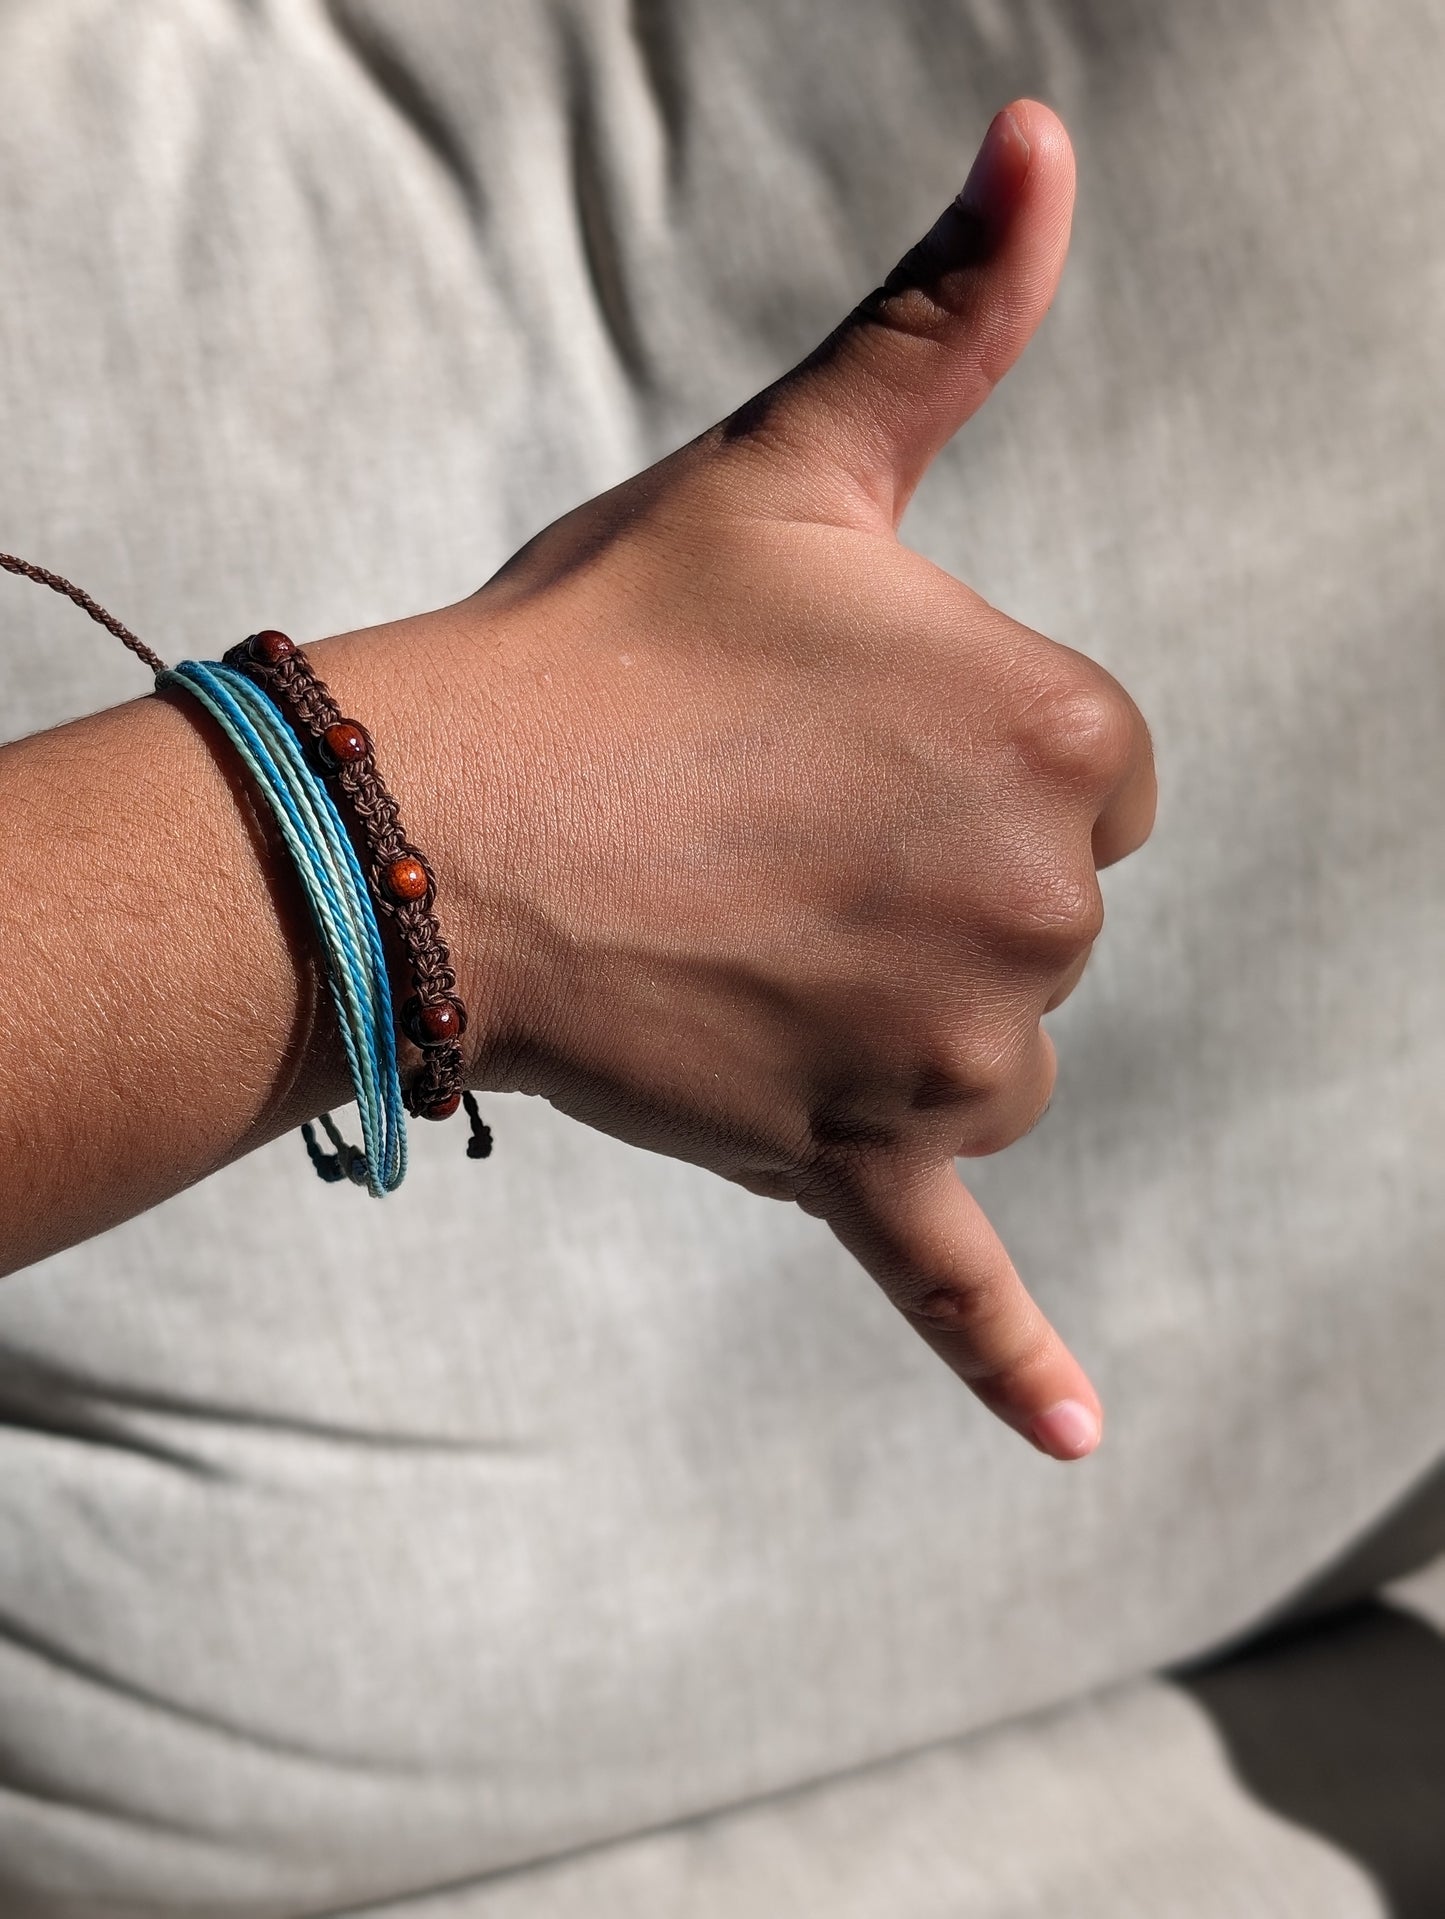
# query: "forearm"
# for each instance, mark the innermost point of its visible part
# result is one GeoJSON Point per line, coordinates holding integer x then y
{"type": "Point", "coordinates": [163, 1002]}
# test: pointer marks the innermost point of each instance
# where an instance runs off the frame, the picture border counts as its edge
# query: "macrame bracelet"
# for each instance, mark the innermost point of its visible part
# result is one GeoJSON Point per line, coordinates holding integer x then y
{"type": "Point", "coordinates": [402, 882]}
{"type": "Point", "coordinates": [400, 877]}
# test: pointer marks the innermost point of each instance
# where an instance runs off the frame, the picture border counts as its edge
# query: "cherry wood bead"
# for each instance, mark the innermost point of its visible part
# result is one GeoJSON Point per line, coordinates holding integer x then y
{"type": "Point", "coordinates": [443, 1109]}
{"type": "Point", "coordinates": [270, 646]}
{"type": "Point", "coordinates": [405, 879]}
{"type": "Point", "coordinates": [433, 1022]}
{"type": "Point", "coordinates": [344, 742]}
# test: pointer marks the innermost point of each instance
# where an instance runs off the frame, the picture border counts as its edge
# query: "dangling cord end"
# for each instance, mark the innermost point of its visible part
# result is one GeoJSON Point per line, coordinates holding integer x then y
{"type": "Point", "coordinates": [479, 1146]}
{"type": "Point", "coordinates": [347, 1162]}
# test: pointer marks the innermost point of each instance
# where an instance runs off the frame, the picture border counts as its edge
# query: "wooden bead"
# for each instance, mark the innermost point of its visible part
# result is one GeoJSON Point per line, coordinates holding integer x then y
{"type": "Point", "coordinates": [405, 879]}
{"type": "Point", "coordinates": [433, 1022]}
{"type": "Point", "coordinates": [344, 742]}
{"type": "Point", "coordinates": [444, 1108]}
{"type": "Point", "coordinates": [271, 647]}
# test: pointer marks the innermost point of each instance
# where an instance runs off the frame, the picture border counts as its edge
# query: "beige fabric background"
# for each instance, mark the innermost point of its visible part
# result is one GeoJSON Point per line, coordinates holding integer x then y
{"type": "Point", "coordinates": [320, 1585]}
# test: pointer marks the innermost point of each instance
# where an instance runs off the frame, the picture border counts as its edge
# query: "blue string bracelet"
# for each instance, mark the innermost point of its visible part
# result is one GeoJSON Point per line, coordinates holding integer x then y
{"type": "Point", "coordinates": [341, 910]}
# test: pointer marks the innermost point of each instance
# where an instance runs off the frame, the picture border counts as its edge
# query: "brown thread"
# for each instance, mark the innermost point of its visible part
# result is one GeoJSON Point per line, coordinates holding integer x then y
{"type": "Point", "coordinates": [295, 685]}
{"type": "Point", "coordinates": [82, 599]}
{"type": "Point", "coordinates": [291, 680]}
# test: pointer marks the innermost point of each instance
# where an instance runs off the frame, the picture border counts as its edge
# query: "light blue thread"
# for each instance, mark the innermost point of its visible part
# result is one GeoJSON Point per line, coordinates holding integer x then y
{"type": "Point", "coordinates": [324, 875]}
{"type": "Point", "coordinates": [363, 977]}
{"type": "Point", "coordinates": [363, 926]}
{"type": "Point", "coordinates": [336, 893]}
{"type": "Point", "coordinates": [339, 900]}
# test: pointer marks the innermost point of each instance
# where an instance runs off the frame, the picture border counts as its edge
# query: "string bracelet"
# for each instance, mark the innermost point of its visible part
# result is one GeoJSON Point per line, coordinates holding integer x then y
{"type": "Point", "coordinates": [341, 910]}
{"type": "Point", "coordinates": [288, 729]}
{"type": "Point", "coordinates": [434, 1017]}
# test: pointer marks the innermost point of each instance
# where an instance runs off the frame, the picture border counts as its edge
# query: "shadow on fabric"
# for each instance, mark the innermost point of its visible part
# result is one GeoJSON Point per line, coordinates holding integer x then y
{"type": "Point", "coordinates": [1337, 1723]}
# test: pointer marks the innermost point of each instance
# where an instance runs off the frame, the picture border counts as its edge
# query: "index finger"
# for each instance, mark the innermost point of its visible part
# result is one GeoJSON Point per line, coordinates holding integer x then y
{"type": "Point", "coordinates": [927, 1242]}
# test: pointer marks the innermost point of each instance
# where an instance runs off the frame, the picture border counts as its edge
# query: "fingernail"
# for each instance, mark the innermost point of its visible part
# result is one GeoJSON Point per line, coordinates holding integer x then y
{"type": "Point", "coordinates": [994, 179]}
{"type": "Point", "coordinates": [1066, 1431]}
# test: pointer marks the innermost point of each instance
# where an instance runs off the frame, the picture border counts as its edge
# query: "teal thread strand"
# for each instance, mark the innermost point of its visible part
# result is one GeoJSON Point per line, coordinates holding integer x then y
{"type": "Point", "coordinates": [319, 844]}
{"type": "Point", "coordinates": [316, 854]}
{"type": "Point", "coordinates": [363, 977]}
{"type": "Point", "coordinates": [336, 893]}
{"type": "Point", "coordinates": [362, 922]}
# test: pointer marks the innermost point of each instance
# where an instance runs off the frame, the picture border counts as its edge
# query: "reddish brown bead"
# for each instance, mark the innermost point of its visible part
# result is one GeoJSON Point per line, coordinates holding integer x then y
{"type": "Point", "coordinates": [270, 646]}
{"type": "Point", "coordinates": [344, 742]}
{"type": "Point", "coordinates": [443, 1109]}
{"type": "Point", "coordinates": [433, 1022]}
{"type": "Point", "coordinates": [405, 879]}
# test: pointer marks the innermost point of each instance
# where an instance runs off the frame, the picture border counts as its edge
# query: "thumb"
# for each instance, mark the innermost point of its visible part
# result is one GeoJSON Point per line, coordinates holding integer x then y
{"type": "Point", "coordinates": [890, 386]}
{"type": "Point", "coordinates": [930, 1247]}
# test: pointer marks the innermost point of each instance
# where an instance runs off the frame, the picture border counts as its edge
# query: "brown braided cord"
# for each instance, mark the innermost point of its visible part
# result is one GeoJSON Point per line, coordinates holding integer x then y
{"type": "Point", "coordinates": [58, 584]}
{"type": "Point", "coordinates": [299, 690]}
{"type": "Point", "coordinates": [297, 687]}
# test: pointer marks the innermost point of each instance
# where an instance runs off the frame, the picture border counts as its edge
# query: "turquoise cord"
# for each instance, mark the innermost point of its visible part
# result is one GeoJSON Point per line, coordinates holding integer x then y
{"type": "Point", "coordinates": [339, 900]}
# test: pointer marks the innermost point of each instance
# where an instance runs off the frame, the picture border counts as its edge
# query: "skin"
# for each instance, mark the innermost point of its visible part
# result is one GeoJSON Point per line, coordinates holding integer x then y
{"type": "Point", "coordinates": [761, 841]}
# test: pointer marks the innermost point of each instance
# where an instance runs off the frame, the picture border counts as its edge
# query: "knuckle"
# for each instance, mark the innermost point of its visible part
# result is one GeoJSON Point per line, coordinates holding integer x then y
{"type": "Point", "coordinates": [831, 1184]}
{"type": "Point", "coordinates": [817, 1200]}
{"type": "Point", "coordinates": [917, 306]}
{"type": "Point", "coordinates": [766, 1183]}
{"type": "Point", "coordinates": [999, 1128]}
{"type": "Point", "coordinates": [959, 1068]}
{"type": "Point", "coordinates": [955, 1301]}
{"type": "Point", "coordinates": [922, 316]}
{"type": "Point", "coordinates": [1004, 1121]}
{"type": "Point", "coordinates": [975, 1308]}
{"type": "Point", "coordinates": [931, 288]}
{"type": "Point", "coordinates": [1082, 734]}
{"type": "Point", "coordinates": [1058, 916]}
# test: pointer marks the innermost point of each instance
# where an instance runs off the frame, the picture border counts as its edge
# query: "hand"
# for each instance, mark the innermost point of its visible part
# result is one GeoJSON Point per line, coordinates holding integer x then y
{"type": "Point", "coordinates": [789, 838]}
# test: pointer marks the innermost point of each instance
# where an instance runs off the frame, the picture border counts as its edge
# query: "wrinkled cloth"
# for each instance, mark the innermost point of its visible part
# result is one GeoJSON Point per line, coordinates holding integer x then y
{"type": "Point", "coordinates": [354, 1549]}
